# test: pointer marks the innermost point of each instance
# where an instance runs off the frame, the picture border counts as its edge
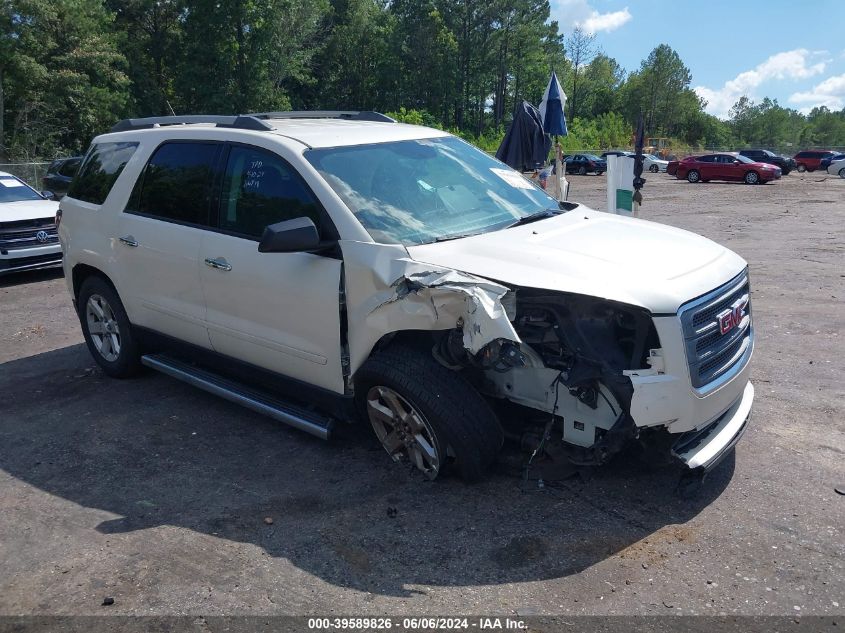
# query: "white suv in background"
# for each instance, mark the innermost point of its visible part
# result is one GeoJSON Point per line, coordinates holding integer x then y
{"type": "Point", "coordinates": [322, 266]}
{"type": "Point", "coordinates": [28, 238]}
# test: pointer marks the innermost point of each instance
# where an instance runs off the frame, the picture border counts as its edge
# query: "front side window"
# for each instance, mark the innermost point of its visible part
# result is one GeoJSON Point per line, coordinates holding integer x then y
{"type": "Point", "coordinates": [259, 189]}
{"type": "Point", "coordinates": [15, 190]}
{"type": "Point", "coordinates": [420, 191]}
{"type": "Point", "coordinates": [176, 183]}
{"type": "Point", "coordinates": [100, 169]}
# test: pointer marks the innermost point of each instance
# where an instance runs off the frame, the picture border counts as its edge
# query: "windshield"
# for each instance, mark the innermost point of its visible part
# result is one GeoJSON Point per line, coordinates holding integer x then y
{"type": "Point", "coordinates": [14, 190]}
{"type": "Point", "coordinates": [743, 159]}
{"type": "Point", "coordinates": [421, 191]}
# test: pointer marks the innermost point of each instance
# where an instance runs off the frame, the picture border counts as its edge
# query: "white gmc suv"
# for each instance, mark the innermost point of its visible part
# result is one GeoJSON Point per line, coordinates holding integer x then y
{"type": "Point", "coordinates": [322, 266]}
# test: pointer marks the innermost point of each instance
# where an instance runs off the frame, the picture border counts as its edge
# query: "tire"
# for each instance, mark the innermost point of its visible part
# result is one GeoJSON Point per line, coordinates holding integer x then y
{"type": "Point", "coordinates": [785, 172]}
{"type": "Point", "coordinates": [842, 173]}
{"type": "Point", "coordinates": [654, 169]}
{"type": "Point", "coordinates": [801, 168]}
{"type": "Point", "coordinates": [693, 176]}
{"type": "Point", "coordinates": [582, 171]}
{"type": "Point", "coordinates": [752, 178]}
{"type": "Point", "coordinates": [107, 330]}
{"type": "Point", "coordinates": [599, 173]}
{"type": "Point", "coordinates": [441, 406]}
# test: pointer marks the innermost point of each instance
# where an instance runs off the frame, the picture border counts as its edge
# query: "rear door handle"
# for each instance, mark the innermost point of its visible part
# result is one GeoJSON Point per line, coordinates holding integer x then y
{"type": "Point", "coordinates": [129, 241]}
{"type": "Point", "coordinates": [219, 263]}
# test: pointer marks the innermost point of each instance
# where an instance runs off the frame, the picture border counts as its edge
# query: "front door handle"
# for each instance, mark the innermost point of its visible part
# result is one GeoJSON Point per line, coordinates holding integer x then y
{"type": "Point", "coordinates": [219, 263]}
{"type": "Point", "coordinates": [129, 241]}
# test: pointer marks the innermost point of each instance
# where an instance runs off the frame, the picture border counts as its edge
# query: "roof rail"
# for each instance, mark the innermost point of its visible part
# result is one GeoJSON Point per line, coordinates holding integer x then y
{"type": "Point", "coordinates": [243, 122]}
{"type": "Point", "coordinates": [349, 115]}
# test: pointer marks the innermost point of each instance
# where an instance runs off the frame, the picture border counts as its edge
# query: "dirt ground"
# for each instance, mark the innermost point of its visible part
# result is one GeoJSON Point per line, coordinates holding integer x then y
{"type": "Point", "coordinates": [156, 494]}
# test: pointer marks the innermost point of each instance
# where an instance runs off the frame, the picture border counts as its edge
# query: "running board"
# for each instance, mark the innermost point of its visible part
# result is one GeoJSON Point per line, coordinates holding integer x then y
{"type": "Point", "coordinates": [233, 391]}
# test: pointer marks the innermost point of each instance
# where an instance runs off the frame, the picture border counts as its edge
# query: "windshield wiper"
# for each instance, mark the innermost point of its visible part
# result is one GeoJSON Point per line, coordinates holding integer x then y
{"type": "Point", "coordinates": [539, 215]}
{"type": "Point", "coordinates": [456, 236]}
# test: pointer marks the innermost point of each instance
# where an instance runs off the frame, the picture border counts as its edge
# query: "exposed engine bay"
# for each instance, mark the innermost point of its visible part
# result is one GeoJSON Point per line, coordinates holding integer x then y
{"type": "Point", "coordinates": [566, 376]}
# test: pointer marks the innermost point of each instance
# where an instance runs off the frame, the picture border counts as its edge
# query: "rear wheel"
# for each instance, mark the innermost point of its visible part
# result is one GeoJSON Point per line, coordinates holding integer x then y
{"type": "Point", "coordinates": [801, 168]}
{"type": "Point", "coordinates": [752, 178]}
{"type": "Point", "coordinates": [107, 330]}
{"type": "Point", "coordinates": [653, 169]}
{"type": "Point", "coordinates": [842, 173]}
{"type": "Point", "coordinates": [427, 415]}
{"type": "Point", "coordinates": [693, 175]}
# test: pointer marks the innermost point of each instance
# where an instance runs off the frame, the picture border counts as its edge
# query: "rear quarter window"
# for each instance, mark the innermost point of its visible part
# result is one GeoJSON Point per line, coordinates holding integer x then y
{"type": "Point", "coordinates": [101, 167]}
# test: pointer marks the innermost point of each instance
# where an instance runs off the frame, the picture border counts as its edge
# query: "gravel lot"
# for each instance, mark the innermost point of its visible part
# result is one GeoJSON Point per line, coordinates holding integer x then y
{"type": "Point", "coordinates": [156, 494]}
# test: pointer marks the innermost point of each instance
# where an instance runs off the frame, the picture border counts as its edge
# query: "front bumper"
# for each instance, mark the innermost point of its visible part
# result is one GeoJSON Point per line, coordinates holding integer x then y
{"type": "Point", "coordinates": [23, 259]}
{"type": "Point", "coordinates": [704, 449]}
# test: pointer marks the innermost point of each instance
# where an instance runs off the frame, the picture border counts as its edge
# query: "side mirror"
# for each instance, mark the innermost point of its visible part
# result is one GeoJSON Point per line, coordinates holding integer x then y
{"type": "Point", "coordinates": [48, 194]}
{"type": "Point", "coordinates": [291, 236]}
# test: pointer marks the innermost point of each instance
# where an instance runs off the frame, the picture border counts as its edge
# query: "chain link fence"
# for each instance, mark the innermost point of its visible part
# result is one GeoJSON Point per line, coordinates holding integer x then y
{"type": "Point", "coordinates": [30, 173]}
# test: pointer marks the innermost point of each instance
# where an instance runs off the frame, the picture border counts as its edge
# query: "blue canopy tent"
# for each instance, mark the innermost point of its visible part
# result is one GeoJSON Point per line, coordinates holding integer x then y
{"type": "Point", "coordinates": [551, 108]}
{"type": "Point", "coordinates": [554, 124]}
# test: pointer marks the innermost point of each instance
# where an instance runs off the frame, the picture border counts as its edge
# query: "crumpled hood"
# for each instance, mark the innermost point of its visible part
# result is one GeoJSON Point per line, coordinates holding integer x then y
{"type": "Point", "coordinates": [598, 254]}
{"type": "Point", "coordinates": [28, 210]}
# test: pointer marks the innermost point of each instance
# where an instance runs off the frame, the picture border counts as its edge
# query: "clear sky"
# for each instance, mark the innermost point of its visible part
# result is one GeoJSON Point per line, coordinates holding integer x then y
{"type": "Point", "coordinates": [791, 50]}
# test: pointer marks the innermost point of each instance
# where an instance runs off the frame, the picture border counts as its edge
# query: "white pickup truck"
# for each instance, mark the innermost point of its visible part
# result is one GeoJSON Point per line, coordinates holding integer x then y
{"type": "Point", "coordinates": [323, 266]}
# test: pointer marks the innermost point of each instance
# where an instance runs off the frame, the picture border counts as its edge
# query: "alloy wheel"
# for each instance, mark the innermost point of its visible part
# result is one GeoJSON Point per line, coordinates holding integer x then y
{"type": "Point", "coordinates": [403, 430]}
{"type": "Point", "coordinates": [103, 327]}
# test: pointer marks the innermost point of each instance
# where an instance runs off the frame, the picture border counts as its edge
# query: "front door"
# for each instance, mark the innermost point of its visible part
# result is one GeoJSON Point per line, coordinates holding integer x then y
{"type": "Point", "coordinates": [278, 311]}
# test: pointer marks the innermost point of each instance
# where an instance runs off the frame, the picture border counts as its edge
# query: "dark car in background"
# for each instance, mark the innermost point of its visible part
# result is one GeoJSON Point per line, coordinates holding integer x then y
{"type": "Point", "coordinates": [824, 163]}
{"type": "Point", "coordinates": [585, 164]}
{"type": "Point", "coordinates": [726, 166]}
{"type": "Point", "coordinates": [810, 160]}
{"type": "Point", "coordinates": [785, 163]}
{"type": "Point", "coordinates": [59, 174]}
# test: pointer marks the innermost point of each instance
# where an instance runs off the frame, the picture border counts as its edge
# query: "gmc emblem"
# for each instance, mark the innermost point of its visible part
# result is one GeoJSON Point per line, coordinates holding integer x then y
{"type": "Point", "coordinates": [730, 318]}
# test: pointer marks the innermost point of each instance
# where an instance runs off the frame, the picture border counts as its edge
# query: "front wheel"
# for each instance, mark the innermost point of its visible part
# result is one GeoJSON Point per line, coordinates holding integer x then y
{"type": "Point", "coordinates": [842, 173]}
{"type": "Point", "coordinates": [107, 330]}
{"type": "Point", "coordinates": [582, 171]}
{"type": "Point", "coordinates": [693, 176]}
{"type": "Point", "coordinates": [752, 178]}
{"type": "Point", "coordinates": [654, 169]}
{"type": "Point", "coordinates": [427, 415]}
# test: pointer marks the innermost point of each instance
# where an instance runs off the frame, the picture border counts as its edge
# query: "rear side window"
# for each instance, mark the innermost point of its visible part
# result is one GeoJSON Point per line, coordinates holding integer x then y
{"type": "Point", "coordinates": [176, 183]}
{"type": "Point", "coordinates": [69, 167]}
{"type": "Point", "coordinates": [707, 159]}
{"type": "Point", "coordinates": [259, 189]}
{"type": "Point", "coordinates": [99, 170]}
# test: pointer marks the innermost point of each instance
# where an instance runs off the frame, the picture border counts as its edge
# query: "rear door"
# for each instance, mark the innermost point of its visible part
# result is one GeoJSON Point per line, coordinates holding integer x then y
{"type": "Point", "coordinates": [158, 239]}
{"type": "Point", "coordinates": [279, 311]}
{"type": "Point", "coordinates": [707, 167]}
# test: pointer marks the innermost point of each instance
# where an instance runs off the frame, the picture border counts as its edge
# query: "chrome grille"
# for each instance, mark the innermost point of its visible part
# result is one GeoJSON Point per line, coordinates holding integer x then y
{"type": "Point", "coordinates": [714, 356]}
{"type": "Point", "coordinates": [24, 234]}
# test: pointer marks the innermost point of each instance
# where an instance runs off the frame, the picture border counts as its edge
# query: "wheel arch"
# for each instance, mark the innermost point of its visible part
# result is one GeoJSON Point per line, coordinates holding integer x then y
{"type": "Point", "coordinates": [81, 272]}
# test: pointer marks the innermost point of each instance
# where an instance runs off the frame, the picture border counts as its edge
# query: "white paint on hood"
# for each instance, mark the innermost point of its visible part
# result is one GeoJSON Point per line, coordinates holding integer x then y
{"type": "Point", "coordinates": [587, 252]}
{"type": "Point", "coordinates": [28, 210]}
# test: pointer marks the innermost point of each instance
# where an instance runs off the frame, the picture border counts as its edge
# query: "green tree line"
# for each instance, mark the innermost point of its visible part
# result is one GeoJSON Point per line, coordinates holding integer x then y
{"type": "Point", "coordinates": [70, 68]}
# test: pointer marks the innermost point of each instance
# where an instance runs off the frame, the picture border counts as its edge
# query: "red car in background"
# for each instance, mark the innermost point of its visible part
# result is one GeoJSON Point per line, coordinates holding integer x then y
{"type": "Point", "coordinates": [809, 160]}
{"type": "Point", "coordinates": [725, 167]}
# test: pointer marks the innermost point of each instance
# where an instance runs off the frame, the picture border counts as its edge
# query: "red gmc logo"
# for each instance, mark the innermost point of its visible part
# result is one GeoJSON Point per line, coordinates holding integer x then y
{"type": "Point", "coordinates": [732, 317]}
